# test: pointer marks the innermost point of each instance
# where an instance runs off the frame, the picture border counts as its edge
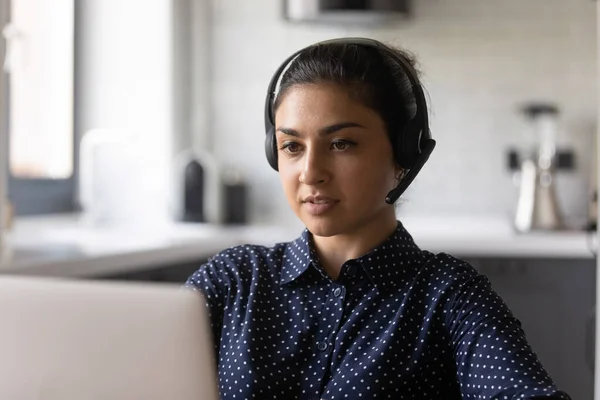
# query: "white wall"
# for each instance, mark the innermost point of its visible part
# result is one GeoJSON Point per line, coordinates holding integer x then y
{"type": "Point", "coordinates": [480, 60]}
{"type": "Point", "coordinates": [597, 320]}
{"type": "Point", "coordinates": [4, 18]}
{"type": "Point", "coordinates": [125, 84]}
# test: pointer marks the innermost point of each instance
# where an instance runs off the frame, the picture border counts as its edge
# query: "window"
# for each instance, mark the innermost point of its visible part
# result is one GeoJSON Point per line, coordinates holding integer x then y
{"type": "Point", "coordinates": [39, 74]}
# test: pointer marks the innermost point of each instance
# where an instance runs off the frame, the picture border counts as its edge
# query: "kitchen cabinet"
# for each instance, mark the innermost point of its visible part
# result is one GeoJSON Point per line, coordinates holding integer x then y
{"type": "Point", "coordinates": [554, 299]}
{"type": "Point", "coordinates": [170, 274]}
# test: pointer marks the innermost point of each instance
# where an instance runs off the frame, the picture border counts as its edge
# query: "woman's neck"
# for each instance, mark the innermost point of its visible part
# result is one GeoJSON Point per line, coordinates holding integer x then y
{"type": "Point", "coordinates": [334, 251]}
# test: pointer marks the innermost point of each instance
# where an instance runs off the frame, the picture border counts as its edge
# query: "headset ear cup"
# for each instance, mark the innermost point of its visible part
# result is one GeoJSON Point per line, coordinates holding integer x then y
{"type": "Point", "coordinates": [408, 145]}
{"type": "Point", "coordinates": [271, 149]}
{"type": "Point", "coordinates": [399, 149]}
{"type": "Point", "coordinates": [403, 149]}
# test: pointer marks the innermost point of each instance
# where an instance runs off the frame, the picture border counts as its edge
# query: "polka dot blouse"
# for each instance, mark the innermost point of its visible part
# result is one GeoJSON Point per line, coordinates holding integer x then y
{"type": "Point", "coordinates": [398, 323]}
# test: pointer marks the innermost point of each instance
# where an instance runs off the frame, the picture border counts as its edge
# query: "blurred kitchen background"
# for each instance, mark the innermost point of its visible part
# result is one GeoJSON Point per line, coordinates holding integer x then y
{"type": "Point", "coordinates": [132, 143]}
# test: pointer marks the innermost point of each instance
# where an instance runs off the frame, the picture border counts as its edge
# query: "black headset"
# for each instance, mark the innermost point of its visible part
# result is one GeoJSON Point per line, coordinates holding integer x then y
{"type": "Point", "coordinates": [413, 145]}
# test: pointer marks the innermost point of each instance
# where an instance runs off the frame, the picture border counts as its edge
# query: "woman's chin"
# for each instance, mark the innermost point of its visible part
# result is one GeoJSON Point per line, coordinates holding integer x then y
{"type": "Point", "coordinates": [323, 226]}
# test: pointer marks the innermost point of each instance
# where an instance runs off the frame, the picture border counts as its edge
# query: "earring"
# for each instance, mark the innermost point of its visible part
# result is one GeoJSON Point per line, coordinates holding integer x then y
{"type": "Point", "coordinates": [400, 175]}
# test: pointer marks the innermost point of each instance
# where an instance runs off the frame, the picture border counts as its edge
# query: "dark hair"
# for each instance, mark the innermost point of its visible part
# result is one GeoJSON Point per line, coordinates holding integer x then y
{"type": "Point", "coordinates": [370, 76]}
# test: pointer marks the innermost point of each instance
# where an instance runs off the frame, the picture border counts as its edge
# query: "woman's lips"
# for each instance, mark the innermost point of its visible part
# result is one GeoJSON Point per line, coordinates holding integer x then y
{"type": "Point", "coordinates": [319, 207]}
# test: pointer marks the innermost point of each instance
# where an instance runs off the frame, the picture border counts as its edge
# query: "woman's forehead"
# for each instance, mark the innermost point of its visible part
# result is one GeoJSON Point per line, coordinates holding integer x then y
{"type": "Point", "coordinates": [323, 101]}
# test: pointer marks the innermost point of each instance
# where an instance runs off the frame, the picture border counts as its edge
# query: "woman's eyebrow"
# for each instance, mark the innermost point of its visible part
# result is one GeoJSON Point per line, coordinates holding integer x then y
{"type": "Point", "coordinates": [290, 131]}
{"type": "Point", "coordinates": [337, 127]}
{"type": "Point", "coordinates": [323, 131]}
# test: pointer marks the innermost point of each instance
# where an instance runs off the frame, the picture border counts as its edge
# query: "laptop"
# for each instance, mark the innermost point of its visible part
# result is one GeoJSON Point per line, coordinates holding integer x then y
{"type": "Point", "coordinates": [100, 340]}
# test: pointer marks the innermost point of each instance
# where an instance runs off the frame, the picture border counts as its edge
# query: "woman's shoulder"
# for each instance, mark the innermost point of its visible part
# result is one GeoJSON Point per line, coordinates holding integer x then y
{"type": "Point", "coordinates": [239, 262]}
{"type": "Point", "coordinates": [448, 271]}
{"type": "Point", "coordinates": [452, 265]}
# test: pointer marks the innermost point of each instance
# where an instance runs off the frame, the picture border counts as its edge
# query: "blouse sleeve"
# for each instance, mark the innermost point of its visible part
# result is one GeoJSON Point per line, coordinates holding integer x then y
{"type": "Point", "coordinates": [208, 279]}
{"type": "Point", "coordinates": [493, 358]}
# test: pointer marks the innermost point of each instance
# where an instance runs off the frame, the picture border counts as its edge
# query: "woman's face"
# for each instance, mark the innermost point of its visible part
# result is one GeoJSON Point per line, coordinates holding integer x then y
{"type": "Point", "coordinates": [335, 160]}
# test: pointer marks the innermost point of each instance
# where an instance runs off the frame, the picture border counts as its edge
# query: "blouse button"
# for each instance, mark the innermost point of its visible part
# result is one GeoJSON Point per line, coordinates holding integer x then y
{"type": "Point", "coordinates": [322, 346]}
{"type": "Point", "coordinates": [337, 292]}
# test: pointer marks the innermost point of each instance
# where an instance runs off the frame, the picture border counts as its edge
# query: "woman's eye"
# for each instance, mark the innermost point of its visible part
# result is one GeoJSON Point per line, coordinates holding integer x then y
{"type": "Point", "coordinates": [341, 145]}
{"type": "Point", "coordinates": [290, 147]}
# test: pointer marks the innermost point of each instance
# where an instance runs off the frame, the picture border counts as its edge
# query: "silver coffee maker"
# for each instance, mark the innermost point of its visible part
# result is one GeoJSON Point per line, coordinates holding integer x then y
{"type": "Point", "coordinates": [537, 207]}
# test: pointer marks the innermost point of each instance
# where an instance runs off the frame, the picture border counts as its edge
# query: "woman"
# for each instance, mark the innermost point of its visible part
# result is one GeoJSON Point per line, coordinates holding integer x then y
{"type": "Point", "coordinates": [354, 308]}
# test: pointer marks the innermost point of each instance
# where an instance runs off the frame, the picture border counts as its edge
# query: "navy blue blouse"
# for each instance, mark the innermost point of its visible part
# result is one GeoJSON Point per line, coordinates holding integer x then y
{"type": "Point", "coordinates": [399, 323]}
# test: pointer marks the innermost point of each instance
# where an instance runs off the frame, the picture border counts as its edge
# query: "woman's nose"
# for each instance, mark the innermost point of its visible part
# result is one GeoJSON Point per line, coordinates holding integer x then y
{"type": "Point", "coordinates": [314, 170]}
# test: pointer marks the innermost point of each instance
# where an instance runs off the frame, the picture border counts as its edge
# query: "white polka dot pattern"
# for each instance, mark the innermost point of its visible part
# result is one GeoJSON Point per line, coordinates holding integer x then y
{"type": "Point", "coordinates": [399, 323]}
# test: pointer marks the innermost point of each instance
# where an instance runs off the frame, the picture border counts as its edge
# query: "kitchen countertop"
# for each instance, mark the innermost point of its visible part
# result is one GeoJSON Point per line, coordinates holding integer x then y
{"type": "Point", "coordinates": [64, 245]}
